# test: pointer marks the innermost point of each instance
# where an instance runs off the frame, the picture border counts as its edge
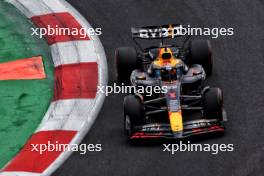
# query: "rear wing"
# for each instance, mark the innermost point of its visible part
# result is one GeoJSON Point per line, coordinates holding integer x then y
{"type": "Point", "coordinates": [157, 32]}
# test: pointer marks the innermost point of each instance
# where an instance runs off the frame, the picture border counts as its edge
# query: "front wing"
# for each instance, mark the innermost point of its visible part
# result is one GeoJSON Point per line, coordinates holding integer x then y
{"type": "Point", "coordinates": [190, 128]}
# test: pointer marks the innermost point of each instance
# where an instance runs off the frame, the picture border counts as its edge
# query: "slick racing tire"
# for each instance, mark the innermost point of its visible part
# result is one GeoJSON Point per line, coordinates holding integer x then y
{"type": "Point", "coordinates": [133, 112]}
{"type": "Point", "coordinates": [201, 53]}
{"type": "Point", "coordinates": [213, 103]}
{"type": "Point", "coordinates": [126, 62]}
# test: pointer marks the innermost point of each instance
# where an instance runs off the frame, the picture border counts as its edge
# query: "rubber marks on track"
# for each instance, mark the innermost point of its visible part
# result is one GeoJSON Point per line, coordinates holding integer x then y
{"type": "Point", "coordinates": [30, 161]}
{"type": "Point", "coordinates": [23, 69]}
{"type": "Point", "coordinates": [58, 20]}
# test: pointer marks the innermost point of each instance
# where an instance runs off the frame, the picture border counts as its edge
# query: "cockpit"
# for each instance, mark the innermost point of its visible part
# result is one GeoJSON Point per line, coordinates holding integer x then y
{"type": "Point", "coordinates": [167, 66]}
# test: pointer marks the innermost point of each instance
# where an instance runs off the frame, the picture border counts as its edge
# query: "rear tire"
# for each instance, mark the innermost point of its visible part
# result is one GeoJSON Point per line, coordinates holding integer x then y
{"type": "Point", "coordinates": [126, 62]}
{"type": "Point", "coordinates": [201, 53]}
{"type": "Point", "coordinates": [213, 103]}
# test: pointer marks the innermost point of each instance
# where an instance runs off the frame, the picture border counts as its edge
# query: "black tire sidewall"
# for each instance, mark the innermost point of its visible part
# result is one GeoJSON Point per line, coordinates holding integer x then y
{"type": "Point", "coordinates": [213, 103]}
{"type": "Point", "coordinates": [201, 53]}
{"type": "Point", "coordinates": [133, 107]}
{"type": "Point", "coordinates": [126, 62]}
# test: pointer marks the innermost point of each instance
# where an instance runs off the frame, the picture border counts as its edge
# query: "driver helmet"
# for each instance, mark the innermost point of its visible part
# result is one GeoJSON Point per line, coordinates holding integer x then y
{"type": "Point", "coordinates": [165, 54]}
{"type": "Point", "coordinates": [167, 62]}
{"type": "Point", "coordinates": [166, 58]}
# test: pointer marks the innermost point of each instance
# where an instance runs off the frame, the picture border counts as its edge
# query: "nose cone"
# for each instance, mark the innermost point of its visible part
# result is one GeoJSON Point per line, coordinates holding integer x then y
{"type": "Point", "coordinates": [176, 121]}
{"type": "Point", "coordinates": [176, 124]}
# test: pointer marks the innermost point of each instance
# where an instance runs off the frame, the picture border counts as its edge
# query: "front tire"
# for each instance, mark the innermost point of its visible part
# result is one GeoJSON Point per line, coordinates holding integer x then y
{"type": "Point", "coordinates": [213, 103]}
{"type": "Point", "coordinates": [133, 113]}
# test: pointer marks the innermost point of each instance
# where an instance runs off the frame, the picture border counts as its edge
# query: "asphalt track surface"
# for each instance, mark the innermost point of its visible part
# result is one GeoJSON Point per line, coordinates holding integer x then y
{"type": "Point", "coordinates": [238, 70]}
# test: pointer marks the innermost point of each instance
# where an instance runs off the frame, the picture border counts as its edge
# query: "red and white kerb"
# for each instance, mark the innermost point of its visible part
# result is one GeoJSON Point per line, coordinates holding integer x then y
{"type": "Point", "coordinates": [80, 66]}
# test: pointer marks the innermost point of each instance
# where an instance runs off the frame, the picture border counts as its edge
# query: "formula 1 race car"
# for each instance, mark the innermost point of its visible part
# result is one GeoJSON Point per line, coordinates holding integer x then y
{"type": "Point", "coordinates": [187, 107]}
